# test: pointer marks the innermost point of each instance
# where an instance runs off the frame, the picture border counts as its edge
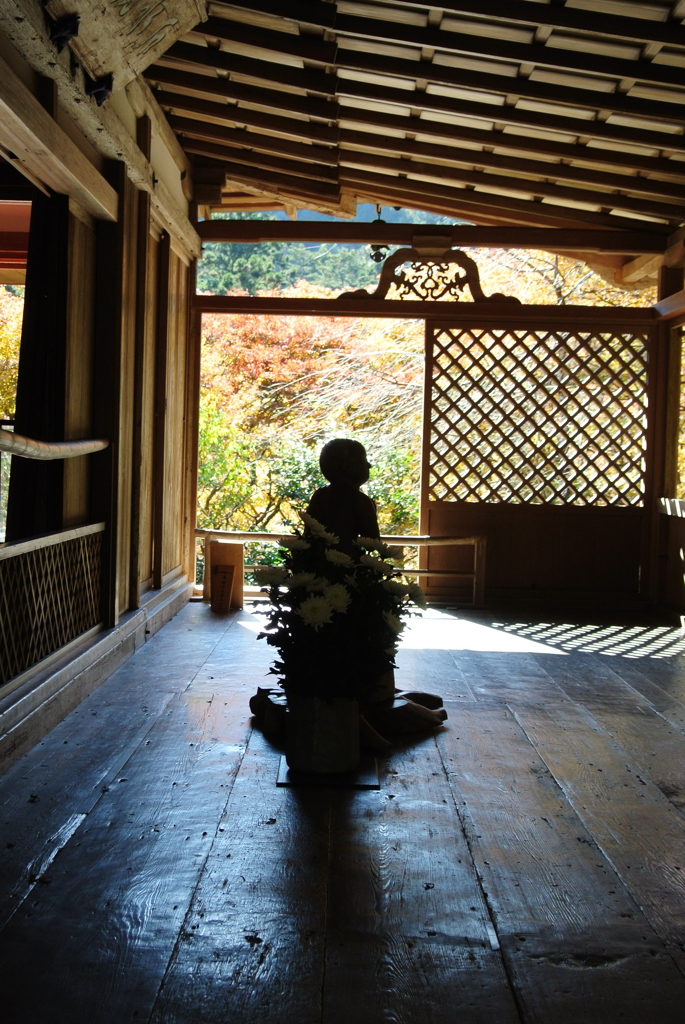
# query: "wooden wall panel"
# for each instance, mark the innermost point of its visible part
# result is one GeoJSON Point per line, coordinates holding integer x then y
{"type": "Point", "coordinates": [78, 411]}
{"type": "Point", "coordinates": [544, 551]}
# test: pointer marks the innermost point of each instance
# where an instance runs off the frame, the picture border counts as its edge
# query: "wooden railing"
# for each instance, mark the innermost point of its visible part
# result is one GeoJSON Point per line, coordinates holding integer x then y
{"type": "Point", "coordinates": [476, 577]}
{"type": "Point", "coordinates": [49, 595]}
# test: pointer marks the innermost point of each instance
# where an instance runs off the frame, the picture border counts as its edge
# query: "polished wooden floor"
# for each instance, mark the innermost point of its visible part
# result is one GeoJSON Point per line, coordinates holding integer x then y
{"type": "Point", "coordinates": [524, 864]}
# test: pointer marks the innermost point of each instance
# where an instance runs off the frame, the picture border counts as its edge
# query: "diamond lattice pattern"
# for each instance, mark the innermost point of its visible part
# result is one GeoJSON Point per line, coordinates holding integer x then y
{"type": "Point", "coordinates": [538, 416]}
{"type": "Point", "coordinates": [47, 598]}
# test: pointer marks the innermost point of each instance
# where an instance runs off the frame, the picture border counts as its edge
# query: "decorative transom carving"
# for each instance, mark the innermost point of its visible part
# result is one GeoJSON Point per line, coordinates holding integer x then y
{"type": "Point", "coordinates": [47, 598]}
{"type": "Point", "coordinates": [538, 416]}
{"type": "Point", "coordinates": [417, 275]}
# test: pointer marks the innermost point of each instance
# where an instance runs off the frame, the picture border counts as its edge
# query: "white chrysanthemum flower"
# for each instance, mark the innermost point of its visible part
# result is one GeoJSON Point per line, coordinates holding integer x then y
{"type": "Point", "coordinates": [386, 551]}
{"type": "Point", "coordinates": [300, 579]}
{"type": "Point", "coordinates": [270, 575]}
{"type": "Point", "coordinates": [395, 588]}
{"type": "Point", "coordinates": [315, 612]}
{"type": "Point", "coordinates": [317, 528]}
{"type": "Point", "coordinates": [370, 543]}
{"type": "Point", "coordinates": [294, 543]}
{"type": "Point", "coordinates": [395, 623]}
{"type": "Point", "coordinates": [417, 595]}
{"type": "Point", "coordinates": [317, 584]}
{"type": "Point", "coordinates": [338, 557]}
{"type": "Point", "coordinates": [338, 595]}
{"type": "Point", "coordinates": [376, 563]}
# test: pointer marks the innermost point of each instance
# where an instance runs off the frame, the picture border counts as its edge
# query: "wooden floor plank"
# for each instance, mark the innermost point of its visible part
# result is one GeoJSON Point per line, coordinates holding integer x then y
{"type": "Point", "coordinates": [93, 940]}
{"type": "Point", "coordinates": [655, 745]}
{"type": "Point", "coordinates": [657, 682]}
{"type": "Point", "coordinates": [251, 947]}
{"type": "Point", "coordinates": [409, 936]}
{"type": "Point", "coordinates": [635, 826]}
{"type": "Point", "coordinates": [507, 677]}
{"type": "Point", "coordinates": [576, 945]}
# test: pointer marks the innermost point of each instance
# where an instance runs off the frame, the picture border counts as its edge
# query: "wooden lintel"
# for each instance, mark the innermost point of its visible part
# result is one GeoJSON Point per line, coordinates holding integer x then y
{"type": "Point", "coordinates": [455, 312]}
{"type": "Point", "coordinates": [601, 240]}
{"type": "Point", "coordinates": [38, 143]}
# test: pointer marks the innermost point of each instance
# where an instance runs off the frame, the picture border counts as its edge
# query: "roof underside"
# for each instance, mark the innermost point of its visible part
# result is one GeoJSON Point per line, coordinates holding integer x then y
{"type": "Point", "coordinates": [494, 112]}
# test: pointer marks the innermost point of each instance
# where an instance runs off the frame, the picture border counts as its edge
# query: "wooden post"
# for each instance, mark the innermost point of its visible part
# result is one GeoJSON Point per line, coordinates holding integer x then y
{"type": "Point", "coordinates": [161, 348]}
{"type": "Point", "coordinates": [144, 139]}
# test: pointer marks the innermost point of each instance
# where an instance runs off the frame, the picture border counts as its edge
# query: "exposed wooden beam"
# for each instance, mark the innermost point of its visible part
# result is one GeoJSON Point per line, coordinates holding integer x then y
{"type": "Point", "coordinates": [601, 240]}
{"type": "Point", "coordinates": [519, 116]}
{"type": "Point", "coordinates": [671, 170]}
{"type": "Point", "coordinates": [307, 47]}
{"type": "Point", "coordinates": [671, 307]}
{"type": "Point", "coordinates": [504, 85]}
{"type": "Point", "coordinates": [272, 180]}
{"type": "Point", "coordinates": [269, 161]}
{"type": "Point", "coordinates": [648, 266]}
{"type": "Point", "coordinates": [555, 15]}
{"type": "Point", "coordinates": [309, 12]}
{"type": "Point", "coordinates": [460, 200]}
{"type": "Point", "coordinates": [503, 49]}
{"type": "Point", "coordinates": [291, 127]}
{"type": "Point", "coordinates": [487, 180]}
{"type": "Point", "coordinates": [38, 143]}
{"type": "Point", "coordinates": [310, 106]}
{"type": "Point", "coordinates": [223, 135]}
{"type": "Point", "coordinates": [252, 67]}
{"type": "Point", "coordinates": [632, 183]}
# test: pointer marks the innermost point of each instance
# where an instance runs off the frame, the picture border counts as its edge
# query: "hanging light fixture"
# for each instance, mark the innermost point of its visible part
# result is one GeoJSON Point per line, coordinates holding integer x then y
{"type": "Point", "coordinates": [378, 252]}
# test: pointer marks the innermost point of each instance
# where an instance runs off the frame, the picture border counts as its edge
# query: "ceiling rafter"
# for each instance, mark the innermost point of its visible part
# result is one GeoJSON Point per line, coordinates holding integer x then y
{"type": "Point", "coordinates": [519, 53]}
{"type": "Point", "coordinates": [519, 210]}
{"type": "Point", "coordinates": [225, 135]}
{"type": "Point", "coordinates": [553, 15]}
{"type": "Point", "coordinates": [461, 176]}
{"type": "Point", "coordinates": [450, 155]}
{"type": "Point", "coordinates": [502, 112]}
{"type": "Point", "coordinates": [225, 114]}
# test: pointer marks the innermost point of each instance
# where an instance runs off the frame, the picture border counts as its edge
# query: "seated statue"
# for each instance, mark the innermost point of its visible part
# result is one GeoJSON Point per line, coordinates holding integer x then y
{"type": "Point", "coordinates": [345, 511]}
{"type": "Point", "coordinates": [340, 506]}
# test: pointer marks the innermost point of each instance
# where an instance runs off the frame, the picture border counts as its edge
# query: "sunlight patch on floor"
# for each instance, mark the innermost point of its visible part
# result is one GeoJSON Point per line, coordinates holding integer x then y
{"type": "Point", "coordinates": [438, 631]}
{"type": "Point", "coordinates": [616, 641]}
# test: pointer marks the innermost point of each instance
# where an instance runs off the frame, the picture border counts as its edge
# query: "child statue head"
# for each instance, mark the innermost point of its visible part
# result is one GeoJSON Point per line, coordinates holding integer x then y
{"type": "Point", "coordinates": [343, 461]}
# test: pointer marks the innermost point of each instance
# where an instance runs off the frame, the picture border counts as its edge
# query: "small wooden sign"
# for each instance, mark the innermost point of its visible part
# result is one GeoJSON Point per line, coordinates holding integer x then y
{"type": "Point", "coordinates": [222, 587]}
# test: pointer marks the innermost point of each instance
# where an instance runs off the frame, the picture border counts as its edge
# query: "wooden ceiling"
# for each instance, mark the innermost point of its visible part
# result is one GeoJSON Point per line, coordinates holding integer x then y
{"type": "Point", "coordinates": [494, 112]}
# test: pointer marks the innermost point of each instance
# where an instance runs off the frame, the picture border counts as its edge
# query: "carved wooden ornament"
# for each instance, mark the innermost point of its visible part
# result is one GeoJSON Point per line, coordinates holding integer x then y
{"type": "Point", "coordinates": [438, 280]}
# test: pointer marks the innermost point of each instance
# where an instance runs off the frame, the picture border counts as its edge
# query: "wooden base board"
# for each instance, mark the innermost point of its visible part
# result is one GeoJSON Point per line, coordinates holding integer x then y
{"type": "Point", "coordinates": [366, 776]}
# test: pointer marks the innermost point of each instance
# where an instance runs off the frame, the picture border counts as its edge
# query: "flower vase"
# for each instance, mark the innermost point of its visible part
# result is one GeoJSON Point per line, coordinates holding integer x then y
{"type": "Point", "coordinates": [323, 735]}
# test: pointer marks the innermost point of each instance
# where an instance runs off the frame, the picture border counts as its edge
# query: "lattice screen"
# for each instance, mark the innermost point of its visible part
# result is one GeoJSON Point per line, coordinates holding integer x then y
{"type": "Point", "coordinates": [538, 416]}
{"type": "Point", "coordinates": [48, 597]}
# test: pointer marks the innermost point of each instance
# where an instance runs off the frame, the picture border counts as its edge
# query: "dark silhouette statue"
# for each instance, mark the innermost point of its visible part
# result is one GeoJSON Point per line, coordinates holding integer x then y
{"type": "Point", "coordinates": [340, 506]}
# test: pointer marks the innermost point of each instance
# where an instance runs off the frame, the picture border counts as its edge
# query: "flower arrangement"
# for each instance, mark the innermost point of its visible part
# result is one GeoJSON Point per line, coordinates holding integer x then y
{"type": "Point", "coordinates": [335, 617]}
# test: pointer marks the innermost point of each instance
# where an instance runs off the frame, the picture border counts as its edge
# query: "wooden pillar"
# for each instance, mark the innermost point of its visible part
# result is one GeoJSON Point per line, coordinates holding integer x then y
{"type": "Point", "coordinates": [143, 284]}
{"type": "Point", "coordinates": [665, 396]}
{"type": "Point", "coordinates": [113, 387]}
{"type": "Point", "coordinates": [159, 457]}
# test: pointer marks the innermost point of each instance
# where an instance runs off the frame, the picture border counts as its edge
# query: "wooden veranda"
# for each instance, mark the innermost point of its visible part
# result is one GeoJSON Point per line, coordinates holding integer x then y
{"type": "Point", "coordinates": [522, 865]}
